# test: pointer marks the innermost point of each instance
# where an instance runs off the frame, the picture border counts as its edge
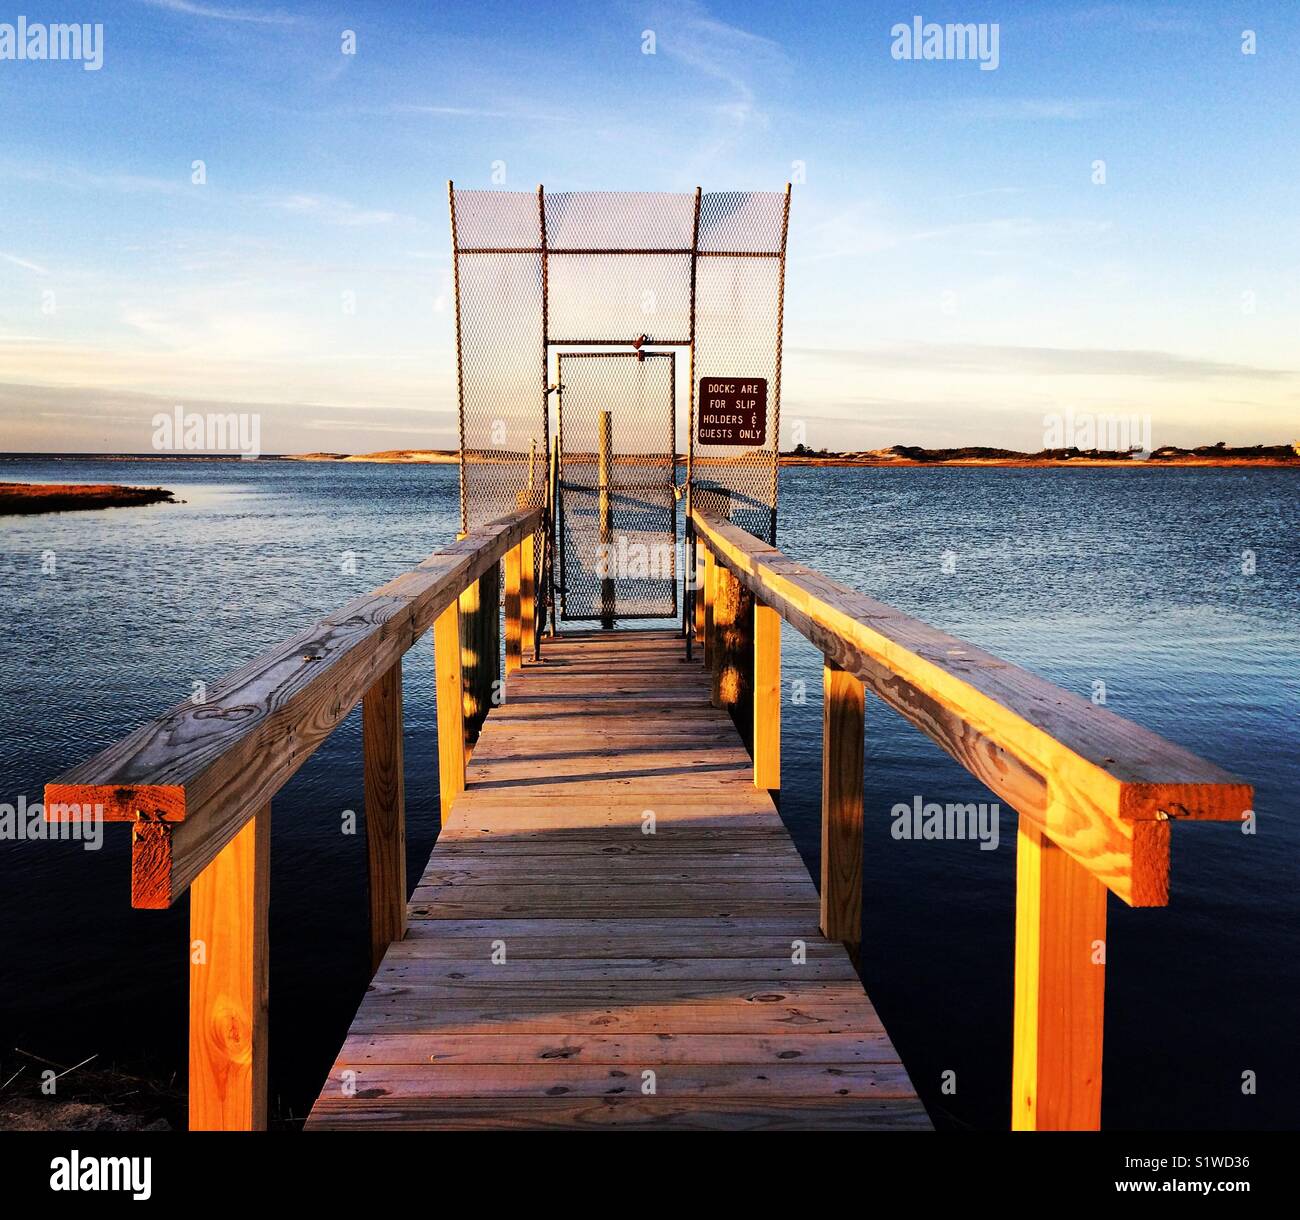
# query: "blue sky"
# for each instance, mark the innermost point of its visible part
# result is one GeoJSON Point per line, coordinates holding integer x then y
{"type": "Point", "coordinates": [955, 274]}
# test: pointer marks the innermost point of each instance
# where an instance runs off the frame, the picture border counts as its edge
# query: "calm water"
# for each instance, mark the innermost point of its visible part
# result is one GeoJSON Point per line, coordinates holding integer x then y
{"type": "Point", "coordinates": [1131, 578]}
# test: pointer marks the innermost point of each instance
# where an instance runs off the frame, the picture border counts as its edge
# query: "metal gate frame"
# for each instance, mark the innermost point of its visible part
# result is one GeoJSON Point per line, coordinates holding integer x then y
{"type": "Point", "coordinates": [508, 247]}
{"type": "Point", "coordinates": [609, 612]}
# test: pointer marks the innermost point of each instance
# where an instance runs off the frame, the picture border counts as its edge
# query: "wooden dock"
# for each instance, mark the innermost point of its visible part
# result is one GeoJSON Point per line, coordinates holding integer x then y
{"type": "Point", "coordinates": [614, 929]}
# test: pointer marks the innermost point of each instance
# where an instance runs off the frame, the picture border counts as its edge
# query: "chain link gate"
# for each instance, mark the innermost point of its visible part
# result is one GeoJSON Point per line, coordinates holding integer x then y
{"type": "Point", "coordinates": [617, 525]}
{"type": "Point", "coordinates": [636, 270]}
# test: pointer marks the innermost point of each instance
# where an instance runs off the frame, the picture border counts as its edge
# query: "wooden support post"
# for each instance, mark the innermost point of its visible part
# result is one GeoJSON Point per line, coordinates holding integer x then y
{"type": "Point", "coordinates": [843, 712]}
{"type": "Point", "coordinates": [738, 665]}
{"type": "Point", "coordinates": [701, 554]}
{"type": "Point", "coordinates": [451, 706]}
{"type": "Point", "coordinates": [381, 733]}
{"type": "Point", "coordinates": [531, 497]}
{"type": "Point", "coordinates": [1060, 985]}
{"type": "Point", "coordinates": [708, 590]}
{"type": "Point", "coordinates": [724, 656]}
{"type": "Point", "coordinates": [606, 468]}
{"type": "Point", "coordinates": [514, 625]}
{"type": "Point", "coordinates": [767, 697]}
{"type": "Point", "coordinates": [473, 660]}
{"type": "Point", "coordinates": [490, 617]}
{"type": "Point", "coordinates": [480, 642]}
{"type": "Point", "coordinates": [229, 978]}
{"type": "Point", "coordinates": [527, 598]}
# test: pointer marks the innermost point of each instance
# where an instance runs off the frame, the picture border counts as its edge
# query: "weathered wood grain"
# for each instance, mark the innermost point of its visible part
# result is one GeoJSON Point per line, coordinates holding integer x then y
{"type": "Point", "coordinates": [841, 824]}
{"type": "Point", "coordinates": [1060, 984]}
{"type": "Point", "coordinates": [191, 779]}
{"type": "Point", "coordinates": [767, 697]}
{"type": "Point", "coordinates": [612, 897]}
{"type": "Point", "coordinates": [514, 610]}
{"type": "Point", "coordinates": [480, 611]}
{"type": "Point", "coordinates": [229, 984]}
{"type": "Point", "coordinates": [623, 1113]}
{"type": "Point", "coordinates": [632, 1049]}
{"type": "Point", "coordinates": [449, 697]}
{"type": "Point", "coordinates": [381, 735]}
{"type": "Point", "coordinates": [1114, 786]}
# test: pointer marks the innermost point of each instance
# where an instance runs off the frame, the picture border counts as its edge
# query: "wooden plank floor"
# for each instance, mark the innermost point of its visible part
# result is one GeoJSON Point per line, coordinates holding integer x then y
{"type": "Point", "coordinates": [647, 979]}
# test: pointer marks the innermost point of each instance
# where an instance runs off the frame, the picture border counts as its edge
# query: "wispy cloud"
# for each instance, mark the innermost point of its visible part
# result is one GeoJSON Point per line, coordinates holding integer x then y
{"type": "Point", "coordinates": [722, 52]}
{"type": "Point", "coordinates": [25, 264]}
{"type": "Point", "coordinates": [523, 115]}
{"type": "Point", "coordinates": [320, 207]}
{"type": "Point", "coordinates": [331, 211]}
{"type": "Point", "coordinates": [857, 231]}
{"type": "Point", "coordinates": [1057, 361]}
{"type": "Point", "coordinates": [1034, 109]}
{"type": "Point", "coordinates": [85, 180]}
{"type": "Point", "coordinates": [217, 13]}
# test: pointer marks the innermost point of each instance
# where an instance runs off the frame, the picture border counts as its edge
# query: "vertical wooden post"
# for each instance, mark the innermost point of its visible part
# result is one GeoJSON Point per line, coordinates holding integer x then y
{"type": "Point", "coordinates": [738, 664]}
{"type": "Point", "coordinates": [480, 642]}
{"type": "Point", "coordinates": [473, 659]}
{"type": "Point", "coordinates": [726, 612]}
{"type": "Point", "coordinates": [606, 519]}
{"type": "Point", "coordinates": [531, 497]}
{"type": "Point", "coordinates": [381, 734]}
{"type": "Point", "coordinates": [451, 706]}
{"type": "Point", "coordinates": [708, 590]}
{"type": "Point", "coordinates": [514, 626]}
{"type": "Point", "coordinates": [490, 617]}
{"type": "Point", "coordinates": [701, 559]}
{"type": "Point", "coordinates": [767, 697]}
{"type": "Point", "coordinates": [843, 713]}
{"type": "Point", "coordinates": [229, 979]}
{"type": "Point", "coordinates": [527, 598]}
{"type": "Point", "coordinates": [1060, 986]}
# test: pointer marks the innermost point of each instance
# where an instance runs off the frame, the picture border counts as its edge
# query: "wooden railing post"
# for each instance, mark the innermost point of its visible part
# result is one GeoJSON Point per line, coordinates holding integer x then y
{"type": "Point", "coordinates": [843, 712]}
{"type": "Point", "coordinates": [724, 655]}
{"type": "Point", "coordinates": [381, 733]}
{"type": "Point", "coordinates": [701, 559]}
{"type": "Point", "coordinates": [708, 589]}
{"type": "Point", "coordinates": [514, 623]}
{"type": "Point", "coordinates": [1060, 984]}
{"type": "Point", "coordinates": [530, 497]}
{"type": "Point", "coordinates": [527, 598]}
{"type": "Point", "coordinates": [732, 650]}
{"type": "Point", "coordinates": [229, 978]}
{"type": "Point", "coordinates": [767, 697]}
{"type": "Point", "coordinates": [742, 648]}
{"type": "Point", "coordinates": [451, 706]}
{"type": "Point", "coordinates": [490, 623]}
{"type": "Point", "coordinates": [480, 607]}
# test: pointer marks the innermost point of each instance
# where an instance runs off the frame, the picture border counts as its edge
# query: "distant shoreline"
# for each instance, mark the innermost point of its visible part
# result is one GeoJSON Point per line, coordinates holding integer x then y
{"type": "Point", "coordinates": [911, 456]}
{"type": "Point", "coordinates": [902, 456]}
{"type": "Point", "coordinates": [21, 498]}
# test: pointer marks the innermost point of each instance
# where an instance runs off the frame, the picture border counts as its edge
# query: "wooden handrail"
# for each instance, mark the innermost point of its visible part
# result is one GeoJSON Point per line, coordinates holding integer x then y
{"type": "Point", "coordinates": [1101, 787]}
{"type": "Point", "coordinates": [197, 784]}
{"type": "Point", "coordinates": [1096, 794]}
{"type": "Point", "coordinates": [190, 779]}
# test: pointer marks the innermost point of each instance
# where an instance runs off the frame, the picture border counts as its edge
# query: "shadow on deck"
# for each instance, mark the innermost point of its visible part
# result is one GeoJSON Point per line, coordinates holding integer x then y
{"type": "Point", "coordinates": [614, 929]}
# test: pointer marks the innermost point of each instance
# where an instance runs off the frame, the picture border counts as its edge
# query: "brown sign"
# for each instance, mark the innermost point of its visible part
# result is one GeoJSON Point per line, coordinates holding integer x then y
{"type": "Point", "coordinates": [733, 411]}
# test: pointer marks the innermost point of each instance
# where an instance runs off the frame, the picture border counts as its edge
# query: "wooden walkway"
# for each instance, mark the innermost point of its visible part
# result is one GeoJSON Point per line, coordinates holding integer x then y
{"type": "Point", "coordinates": [641, 979]}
